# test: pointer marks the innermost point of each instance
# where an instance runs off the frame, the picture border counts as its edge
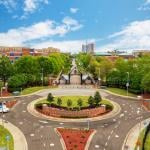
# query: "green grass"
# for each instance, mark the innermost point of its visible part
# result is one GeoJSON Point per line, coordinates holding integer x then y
{"type": "Point", "coordinates": [31, 90]}
{"type": "Point", "coordinates": [121, 92]}
{"type": "Point", "coordinates": [147, 144]}
{"type": "Point", "coordinates": [74, 100]}
{"type": "Point", "coordinates": [3, 143]}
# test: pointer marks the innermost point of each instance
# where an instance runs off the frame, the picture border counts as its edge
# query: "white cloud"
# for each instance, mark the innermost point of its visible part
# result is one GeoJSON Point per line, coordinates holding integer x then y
{"type": "Point", "coordinates": [136, 35]}
{"type": "Point", "coordinates": [145, 6]}
{"type": "Point", "coordinates": [47, 29]}
{"type": "Point", "coordinates": [68, 21]}
{"type": "Point", "coordinates": [31, 5]}
{"type": "Point", "coordinates": [8, 4]}
{"type": "Point", "coordinates": [74, 10]}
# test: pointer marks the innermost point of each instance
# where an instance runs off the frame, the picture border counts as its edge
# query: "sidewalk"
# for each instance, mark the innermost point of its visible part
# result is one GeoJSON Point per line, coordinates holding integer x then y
{"type": "Point", "coordinates": [20, 142]}
{"type": "Point", "coordinates": [133, 134]}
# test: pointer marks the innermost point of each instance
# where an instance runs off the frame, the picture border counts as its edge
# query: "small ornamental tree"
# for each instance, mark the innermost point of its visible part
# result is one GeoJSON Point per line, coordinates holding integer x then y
{"type": "Point", "coordinates": [91, 101]}
{"type": "Point", "coordinates": [80, 103]}
{"type": "Point", "coordinates": [97, 98]}
{"type": "Point", "coordinates": [59, 101]}
{"type": "Point", "coordinates": [50, 98]}
{"type": "Point", "coordinates": [69, 103]}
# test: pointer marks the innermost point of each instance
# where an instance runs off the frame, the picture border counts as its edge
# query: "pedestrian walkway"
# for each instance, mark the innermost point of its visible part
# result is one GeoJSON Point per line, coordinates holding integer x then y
{"type": "Point", "coordinates": [132, 137]}
{"type": "Point", "coordinates": [20, 142]}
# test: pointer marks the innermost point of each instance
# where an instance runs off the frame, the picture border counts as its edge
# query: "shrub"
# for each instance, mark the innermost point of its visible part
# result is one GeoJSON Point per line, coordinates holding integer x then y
{"type": "Point", "coordinates": [50, 98]}
{"type": "Point", "coordinates": [80, 102]}
{"type": "Point", "coordinates": [97, 98]}
{"type": "Point", "coordinates": [91, 101]}
{"type": "Point", "coordinates": [69, 103]}
{"type": "Point", "coordinates": [59, 101]}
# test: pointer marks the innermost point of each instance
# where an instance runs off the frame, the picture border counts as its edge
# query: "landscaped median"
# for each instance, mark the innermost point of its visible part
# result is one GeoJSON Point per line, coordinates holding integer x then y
{"type": "Point", "coordinates": [6, 139]}
{"type": "Point", "coordinates": [75, 139]}
{"type": "Point", "coordinates": [74, 107]}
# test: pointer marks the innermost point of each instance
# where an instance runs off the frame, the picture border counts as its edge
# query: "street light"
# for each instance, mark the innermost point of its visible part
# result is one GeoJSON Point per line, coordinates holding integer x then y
{"type": "Point", "coordinates": [127, 84]}
{"type": "Point", "coordinates": [42, 76]}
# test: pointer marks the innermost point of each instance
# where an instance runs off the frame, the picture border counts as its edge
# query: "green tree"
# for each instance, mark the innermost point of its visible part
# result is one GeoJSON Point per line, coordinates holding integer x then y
{"type": "Point", "coordinates": [50, 98]}
{"type": "Point", "coordinates": [6, 69]}
{"type": "Point", "coordinates": [69, 103]}
{"type": "Point", "coordinates": [97, 98]}
{"type": "Point", "coordinates": [59, 101]}
{"type": "Point", "coordinates": [146, 82]}
{"type": "Point", "coordinates": [80, 103]}
{"type": "Point", "coordinates": [91, 101]}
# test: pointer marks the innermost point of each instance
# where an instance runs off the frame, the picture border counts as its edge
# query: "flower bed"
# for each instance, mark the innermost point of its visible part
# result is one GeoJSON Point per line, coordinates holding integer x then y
{"type": "Point", "coordinates": [61, 113]}
{"type": "Point", "coordinates": [75, 139]}
{"type": "Point", "coordinates": [10, 104]}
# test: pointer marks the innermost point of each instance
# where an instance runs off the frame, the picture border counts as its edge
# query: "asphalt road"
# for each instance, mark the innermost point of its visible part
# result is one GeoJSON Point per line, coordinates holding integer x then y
{"type": "Point", "coordinates": [40, 134]}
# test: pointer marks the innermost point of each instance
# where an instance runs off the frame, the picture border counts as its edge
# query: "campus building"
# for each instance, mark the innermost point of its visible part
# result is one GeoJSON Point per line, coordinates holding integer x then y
{"type": "Point", "coordinates": [14, 53]}
{"type": "Point", "coordinates": [88, 48]}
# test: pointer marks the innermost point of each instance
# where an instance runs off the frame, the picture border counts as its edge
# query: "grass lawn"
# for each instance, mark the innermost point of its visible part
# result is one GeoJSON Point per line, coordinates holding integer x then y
{"type": "Point", "coordinates": [3, 143]}
{"type": "Point", "coordinates": [34, 89]}
{"type": "Point", "coordinates": [74, 100]}
{"type": "Point", "coordinates": [121, 92]}
{"type": "Point", "coordinates": [147, 144]}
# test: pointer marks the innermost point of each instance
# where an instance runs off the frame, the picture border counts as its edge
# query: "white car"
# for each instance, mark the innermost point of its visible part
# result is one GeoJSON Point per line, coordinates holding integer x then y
{"type": "Point", "coordinates": [3, 108]}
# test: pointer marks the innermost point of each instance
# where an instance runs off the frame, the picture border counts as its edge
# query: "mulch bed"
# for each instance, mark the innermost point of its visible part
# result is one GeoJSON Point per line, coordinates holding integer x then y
{"type": "Point", "coordinates": [10, 104]}
{"type": "Point", "coordinates": [75, 139]}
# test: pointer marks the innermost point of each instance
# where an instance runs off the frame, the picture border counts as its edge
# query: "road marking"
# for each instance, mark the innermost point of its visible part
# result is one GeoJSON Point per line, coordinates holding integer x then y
{"type": "Point", "coordinates": [106, 144]}
{"type": "Point", "coordinates": [44, 144]}
{"type": "Point", "coordinates": [114, 120]}
{"type": "Point", "coordinates": [125, 111]}
{"type": "Point", "coordinates": [20, 123]}
{"type": "Point", "coordinates": [23, 111]}
{"type": "Point", "coordinates": [121, 115]}
{"type": "Point", "coordinates": [116, 136]}
{"type": "Point", "coordinates": [111, 132]}
{"type": "Point", "coordinates": [96, 146]}
{"type": "Point", "coordinates": [43, 121]}
{"type": "Point", "coordinates": [61, 123]}
{"type": "Point", "coordinates": [32, 134]}
{"type": "Point", "coordinates": [108, 137]}
{"type": "Point", "coordinates": [52, 145]}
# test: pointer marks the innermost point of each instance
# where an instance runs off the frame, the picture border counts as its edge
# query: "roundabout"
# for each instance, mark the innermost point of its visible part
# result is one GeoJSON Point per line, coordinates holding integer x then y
{"type": "Point", "coordinates": [39, 130]}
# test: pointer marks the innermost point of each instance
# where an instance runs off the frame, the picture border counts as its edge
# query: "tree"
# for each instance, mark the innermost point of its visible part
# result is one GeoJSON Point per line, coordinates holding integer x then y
{"type": "Point", "coordinates": [97, 98]}
{"type": "Point", "coordinates": [91, 101]}
{"type": "Point", "coordinates": [80, 103]}
{"type": "Point", "coordinates": [69, 103]}
{"type": "Point", "coordinates": [59, 101]}
{"type": "Point", "coordinates": [6, 69]}
{"type": "Point", "coordinates": [50, 98]}
{"type": "Point", "coordinates": [146, 82]}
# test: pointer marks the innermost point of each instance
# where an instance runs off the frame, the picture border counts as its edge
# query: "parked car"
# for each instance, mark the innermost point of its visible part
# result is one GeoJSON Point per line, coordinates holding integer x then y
{"type": "Point", "coordinates": [3, 108]}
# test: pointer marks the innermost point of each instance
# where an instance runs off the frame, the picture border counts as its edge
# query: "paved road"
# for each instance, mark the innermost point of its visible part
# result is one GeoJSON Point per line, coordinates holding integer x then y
{"type": "Point", "coordinates": [110, 134]}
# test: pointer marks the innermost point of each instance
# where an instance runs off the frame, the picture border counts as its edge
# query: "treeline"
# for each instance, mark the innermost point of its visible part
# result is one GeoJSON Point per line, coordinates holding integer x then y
{"type": "Point", "coordinates": [118, 73]}
{"type": "Point", "coordinates": [32, 71]}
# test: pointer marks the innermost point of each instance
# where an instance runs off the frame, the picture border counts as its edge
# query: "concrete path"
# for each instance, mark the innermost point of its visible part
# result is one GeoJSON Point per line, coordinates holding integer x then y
{"type": "Point", "coordinates": [20, 142]}
{"type": "Point", "coordinates": [132, 136]}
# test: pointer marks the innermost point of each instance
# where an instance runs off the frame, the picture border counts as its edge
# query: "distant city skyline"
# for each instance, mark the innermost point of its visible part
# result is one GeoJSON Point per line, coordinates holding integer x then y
{"type": "Point", "coordinates": [67, 25]}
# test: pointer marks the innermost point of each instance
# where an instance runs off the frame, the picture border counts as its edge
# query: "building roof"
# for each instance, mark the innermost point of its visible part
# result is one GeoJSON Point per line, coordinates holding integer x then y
{"type": "Point", "coordinates": [102, 54]}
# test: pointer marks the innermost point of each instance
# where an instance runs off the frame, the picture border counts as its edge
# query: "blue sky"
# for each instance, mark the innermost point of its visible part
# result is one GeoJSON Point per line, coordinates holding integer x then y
{"type": "Point", "coordinates": [67, 24]}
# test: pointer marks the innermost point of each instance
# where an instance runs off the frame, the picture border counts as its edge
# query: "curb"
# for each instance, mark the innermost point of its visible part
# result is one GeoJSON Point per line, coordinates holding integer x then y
{"type": "Point", "coordinates": [35, 113]}
{"type": "Point", "coordinates": [89, 140]}
{"type": "Point", "coordinates": [129, 97]}
{"type": "Point", "coordinates": [20, 142]}
{"type": "Point", "coordinates": [28, 94]}
{"type": "Point", "coordinates": [132, 139]}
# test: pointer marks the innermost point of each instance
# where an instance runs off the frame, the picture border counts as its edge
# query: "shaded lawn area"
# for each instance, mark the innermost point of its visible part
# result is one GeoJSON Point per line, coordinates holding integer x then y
{"type": "Point", "coordinates": [3, 143]}
{"type": "Point", "coordinates": [74, 100]}
{"type": "Point", "coordinates": [35, 89]}
{"type": "Point", "coordinates": [121, 92]}
{"type": "Point", "coordinates": [147, 143]}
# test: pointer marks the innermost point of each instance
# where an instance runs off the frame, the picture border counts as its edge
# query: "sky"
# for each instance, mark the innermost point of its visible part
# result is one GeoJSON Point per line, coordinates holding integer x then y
{"type": "Point", "coordinates": [67, 24]}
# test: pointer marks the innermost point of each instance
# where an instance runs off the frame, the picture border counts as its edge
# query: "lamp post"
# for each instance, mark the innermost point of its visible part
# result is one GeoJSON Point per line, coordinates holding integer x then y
{"type": "Point", "coordinates": [127, 84]}
{"type": "Point", "coordinates": [42, 76]}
